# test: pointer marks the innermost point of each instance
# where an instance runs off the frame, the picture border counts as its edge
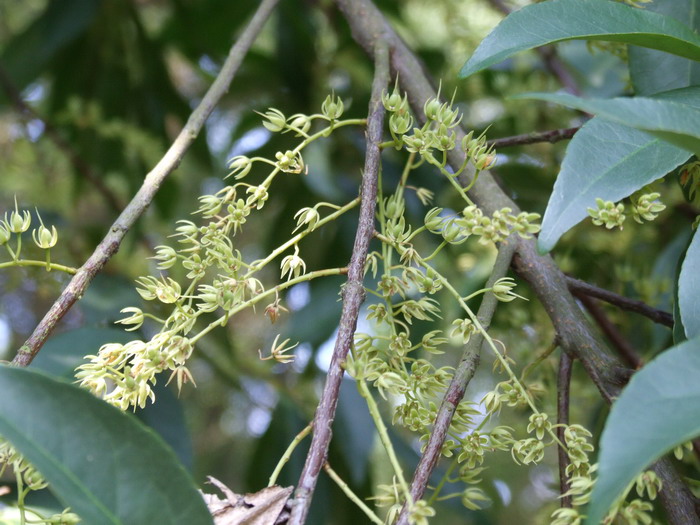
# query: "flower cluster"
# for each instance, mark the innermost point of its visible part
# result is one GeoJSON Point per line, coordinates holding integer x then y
{"type": "Point", "coordinates": [473, 222]}
{"type": "Point", "coordinates": [217, 279]}
{"type": "Point", "coordinates": [644, 206]}
{"type": "Point", "coordinates": [18, 222]}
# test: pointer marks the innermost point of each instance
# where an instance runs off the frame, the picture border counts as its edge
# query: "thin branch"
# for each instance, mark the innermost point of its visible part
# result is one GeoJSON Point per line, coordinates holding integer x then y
{"type": "Point", "coordinates": [628, 354]}
{"type": "Point", "coordinates": [170, 161]}
{"type": "Point", "coordinates": [549, 56]}
{"type": "Point", "coordinates": [579, 288]}
{"type": "Point", "coordinates": [353, 294]}
{"type": "Point", "coordinates": [551, 136]}
{"type": "Point", "coordinates": [351, 495]}
{"type": "Point", "coordinates": [463, 375]}
{"type": "Point", "coordinates": [80, 165]}
{"type": "Point", "coordinates": [563, 399]}
{"type": "Point", "coordinates": [368, 24]}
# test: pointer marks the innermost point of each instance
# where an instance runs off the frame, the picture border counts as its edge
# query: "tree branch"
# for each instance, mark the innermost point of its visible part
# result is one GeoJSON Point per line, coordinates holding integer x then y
{"type": "Point", "coordinates": [368, 24]}
{"type": "Point", "coordinates": [457, 387]}
{"type": "Point", "coordinates": [579, 288]}
{"type": "Point", "coordinates": [353, 293]}
{"type": "Point", "coordinates": [552, 136]}
{"type": "Point", "coordinates": [563, 398]}
{"type": "Point", "coordinates": [170, 161]}
{"type": "Point", "coordinates": [75, 159]}
{"type": "Point", "coordinates": [628, 354]}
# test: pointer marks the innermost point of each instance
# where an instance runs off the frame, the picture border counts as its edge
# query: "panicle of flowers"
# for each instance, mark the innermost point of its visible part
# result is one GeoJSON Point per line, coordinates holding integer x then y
{"type": "Point", "coordinates": [218, 280]}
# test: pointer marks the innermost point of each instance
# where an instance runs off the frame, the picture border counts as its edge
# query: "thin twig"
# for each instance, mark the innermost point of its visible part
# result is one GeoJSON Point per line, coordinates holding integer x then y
{"type": "Point", "coordinates": [579, 287]}
{"type": "Point", "coordinates": [351, 495]}
{"type": "Point", "coordinates": [353, 294]}
{"type": "Point", "coordinates": [288, 453]}
{"type": "Point", "coordinates": [455, 391]}
{"type": "Point", "coordinates": [170, 161]}
{"type": "Point", "coordinates": [549, 56]}
{"type": "Point", "coordinates": [551, 136]}
{"type": "Point", "coordinates": [80, 165]}
{"type": "Point", "coordinates": [368, 24]}
{"type": "Point", "coordinates": [563, 399]}
{"type": "Point", "coordinates": [628, 354]}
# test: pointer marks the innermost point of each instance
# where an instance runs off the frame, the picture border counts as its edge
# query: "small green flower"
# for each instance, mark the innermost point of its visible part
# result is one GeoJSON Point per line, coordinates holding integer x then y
{"type": "Point", "coordinates": [332, 107]}
{"type": "Point", "coordinates": [240, 166]}
{"type": "Point", "coordinates": [292, 265]}
{"type": "Point", "coordinates": [134, 321]}
{"type": "Point", "coordinates": [18, 222]}
{"type": "Point", "coordinates": [608, 214]}
{"type": "Point", "coordinates": [502, 289]}
{"type": "Point", "coordinates": [43, 237]}
{"type": "Point", "coordinates": [166, 257]}
{"type": "Point", "coordinates": [274, 120]}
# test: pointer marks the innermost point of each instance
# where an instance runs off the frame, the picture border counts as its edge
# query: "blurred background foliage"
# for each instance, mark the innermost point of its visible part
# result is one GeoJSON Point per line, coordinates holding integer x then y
{"type": "Point", "coordinates": [93, 91]}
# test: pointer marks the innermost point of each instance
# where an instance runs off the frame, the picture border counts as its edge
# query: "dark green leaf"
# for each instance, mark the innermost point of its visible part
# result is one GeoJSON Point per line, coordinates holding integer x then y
{"type": "Point", "coordinates": [603, 160]}
{"type": "Point", "coordinates": [657, 411]}
{"type": "Point", "coordinates": [672, 115]}
{"type": "Point", "coordinates": [689, 289]}
{"type": "Point", "coordinates": [560, 20]}
{"type": "Point", "coordinates": [654, 71]}
{"type": "Point", "coordinates": [99, 461]}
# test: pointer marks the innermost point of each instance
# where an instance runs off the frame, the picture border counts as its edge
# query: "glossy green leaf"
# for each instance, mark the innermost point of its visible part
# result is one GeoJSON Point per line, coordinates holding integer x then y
{"type": "Point", "coordinates": [689, 289]}
{"type": "Point", "coordinates": [560, 20]}
{"type": "Point", "coordinates": [606, 160]}
{"type": "Point", "coordinates": [672, 115]}
{"type": "Point", "coordinates": [653, 71]}
{"type": "Point", "coordinates": [98, 460]}
{"type": "Point", "coordinates": [657, 411]}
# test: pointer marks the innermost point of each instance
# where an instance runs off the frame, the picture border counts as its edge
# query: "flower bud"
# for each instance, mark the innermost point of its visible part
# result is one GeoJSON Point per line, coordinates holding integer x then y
{"type": "Point", "coordinates": [332, 108]}
{"type": "Point", "coordinates": [166, 256]}
{"type": "Point", "coordinates": [19, 221]}
{"type": "Point", "coordinates": [300, 122]}
{"type": "Point", "coordinates": [240, 165]}
{"type": "Point", "coordinates": [134, 321]}
{"type": "Point", "coordinates": [45, 238]}
{"type": "Point", "coordinates": [275, 120]}
{"type": "Point", "coordinates": [5, 233]}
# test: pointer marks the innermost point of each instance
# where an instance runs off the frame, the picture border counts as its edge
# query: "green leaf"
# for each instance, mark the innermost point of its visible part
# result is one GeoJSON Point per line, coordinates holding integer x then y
{"type": "Point", "coordinates": [561, 20]}
{"type": "Point", "coordinates": [657, 411]}
{"type": "Point", "coordinates": [689, 289]}
{"type": "Point", "coordinates": [98, 460]}
{"type": "Point", "coordinates": [653, 71]}
{"type": "Point", "coordinates": [606, 160]}
{"type": "Point", "coordinates": [672, 115]}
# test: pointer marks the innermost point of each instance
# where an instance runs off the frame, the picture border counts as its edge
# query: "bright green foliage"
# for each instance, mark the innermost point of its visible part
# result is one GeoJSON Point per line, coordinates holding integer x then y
{"type": "Point", "coordinates": [603, 160]}
{"type": "Point", "coordinates": [657, 411]}
{"type": "Point", "coordinates": [560, 20]}
{"type": "Point", "coordinates": [671, 116]}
